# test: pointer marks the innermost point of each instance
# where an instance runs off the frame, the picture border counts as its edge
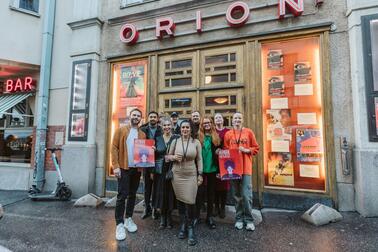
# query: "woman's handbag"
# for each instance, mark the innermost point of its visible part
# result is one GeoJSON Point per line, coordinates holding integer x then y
{"type": "Point", "coordinates": [169, 174]}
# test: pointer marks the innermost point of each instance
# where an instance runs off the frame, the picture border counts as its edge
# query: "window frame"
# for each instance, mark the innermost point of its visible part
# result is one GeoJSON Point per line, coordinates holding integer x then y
{"type": "Point", "coordinates": [87, 100]}
{"type": "Point", "coordinates": [15, 5]}
{"type": "Point", "coordinates": [124, 5]}
{"type": "Point", "coordinates": [369, 79]}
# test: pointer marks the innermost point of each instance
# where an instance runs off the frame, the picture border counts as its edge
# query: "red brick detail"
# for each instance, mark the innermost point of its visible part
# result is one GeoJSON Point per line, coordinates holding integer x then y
{"type": "Point", "coordinates": [50, 143]}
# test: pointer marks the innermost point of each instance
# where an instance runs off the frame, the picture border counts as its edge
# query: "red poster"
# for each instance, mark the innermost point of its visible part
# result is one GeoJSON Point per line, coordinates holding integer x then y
{"type": "Point", "coordinates": [230, 164]}
{"type": "Point", "coordinates": [144, 154]}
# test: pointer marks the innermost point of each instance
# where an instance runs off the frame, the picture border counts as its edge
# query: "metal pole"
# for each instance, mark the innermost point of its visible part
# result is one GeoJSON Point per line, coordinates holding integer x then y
{"type": "Point", "coordinates": [43, 92]}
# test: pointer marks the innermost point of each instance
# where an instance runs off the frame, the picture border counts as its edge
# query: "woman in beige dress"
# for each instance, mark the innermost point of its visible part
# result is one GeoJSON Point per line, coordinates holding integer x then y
{"type": "Point", "coordinates": [186, 152]}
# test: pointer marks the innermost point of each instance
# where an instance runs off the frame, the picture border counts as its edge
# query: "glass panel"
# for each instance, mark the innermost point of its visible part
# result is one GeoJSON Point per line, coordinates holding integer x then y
{"type": "Point", "coordinates": [17, 119]}
{"type": "Point", "coordinates": [189, 71]}
{"type": "Point", "coordinates": [31, 5]}
{"type": "Point", "coordinates": [216, 59]}
{"type": "Point", "coordinates": [78, 125]}
{"type": "Point", "coordinates": [216, 78]}
{"type": "Point", "coordinates": [292, 115]}
{"type": "Point", "coordinates": [233, 57]}
{"type": "Point", "coordinates": [216, 101]}
{"type": "Point", "coordinates": [233, 77]}
{"type": "Point", "coordinates": [174, 73]}
{"type": "Point", "coordinates": [166, 103]}
{"type": "Point", "coordinates": [166, 83]}
{"type": "Point", "coordinates": [16, 145]}
{"type": "Point", "coordinates": [181, 63]}
{"type": "Point", "coordinates": [221, 68]}
{"type": "Point", "coordinates": [167, 65]}
{"type": "Point", "coordinates": [181, 102]}
{"type": "Point", "coordinates": [80, 86]}
{"type": "Point", "coordinates": [233, 100]}
{"type": "Point", "coordinates": [374, 51]}
{"type": "Point", "coordinates": [181, 82]}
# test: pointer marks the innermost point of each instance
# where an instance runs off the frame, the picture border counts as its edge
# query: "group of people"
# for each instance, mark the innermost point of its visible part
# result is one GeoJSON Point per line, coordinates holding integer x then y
{"type": "Point", "coordinates": [186, 171]}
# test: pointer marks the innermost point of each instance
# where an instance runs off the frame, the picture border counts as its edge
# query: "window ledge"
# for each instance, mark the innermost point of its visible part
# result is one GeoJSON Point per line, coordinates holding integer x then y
{"type": "Point", "coordinates": [134, 4]}
{"type": "Point", "coordinates": [14, 165]}
{"type": "Point", "coordinates": [32, 13]}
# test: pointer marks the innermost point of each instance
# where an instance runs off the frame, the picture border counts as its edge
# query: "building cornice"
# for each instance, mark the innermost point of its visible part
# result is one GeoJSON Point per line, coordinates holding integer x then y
{"type": "Point", "coordinates": [86, 23]}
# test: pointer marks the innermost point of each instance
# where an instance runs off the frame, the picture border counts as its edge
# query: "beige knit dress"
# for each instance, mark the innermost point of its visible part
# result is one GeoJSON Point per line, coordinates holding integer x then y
{"type": "Point", "coordinates": [185, 173]}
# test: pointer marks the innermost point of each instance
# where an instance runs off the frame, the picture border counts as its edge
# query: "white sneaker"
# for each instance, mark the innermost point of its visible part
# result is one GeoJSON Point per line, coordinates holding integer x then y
{"type": "Point", "coordinates": [250, 226]}
{"type": "Point", "coordinates": [239, 225]}
{"type": "Point", "coordinates": [130, 225]}
{"type": "Point", "coordinates": [120, 232]}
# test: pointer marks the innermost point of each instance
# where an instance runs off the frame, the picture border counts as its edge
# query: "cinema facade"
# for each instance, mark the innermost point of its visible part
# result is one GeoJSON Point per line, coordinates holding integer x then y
{"type": "Point", "coordinates": [280, 63]}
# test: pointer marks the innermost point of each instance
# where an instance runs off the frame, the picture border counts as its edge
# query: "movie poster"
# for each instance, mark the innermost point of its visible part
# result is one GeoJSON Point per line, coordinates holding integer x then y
{"type": "Point", "coordinates": [78, 125]}
{"type": "Point", "coordinates": [275, 59]}
{"type": "Point", "coordinates": [276, 86]}
{"type": "Point", "coordinates": [309, 145]}
{"type": "Point", "coordinates": [132, 88]}
{"type": "Point", "coordinates": [230, 164]}
{"type": "Point", "coordinates": [280, 169]}
{"type": "Point", "coordinates": [302, 72]}
{"type": "Point", "coordinates": [279, 121]}
{"type": "Point", "coordinates": [144, 154]}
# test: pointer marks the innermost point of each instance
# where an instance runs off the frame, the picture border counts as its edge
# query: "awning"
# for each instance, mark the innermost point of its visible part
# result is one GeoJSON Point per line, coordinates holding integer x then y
{"type": "Point", "coordinates": [8, 101]}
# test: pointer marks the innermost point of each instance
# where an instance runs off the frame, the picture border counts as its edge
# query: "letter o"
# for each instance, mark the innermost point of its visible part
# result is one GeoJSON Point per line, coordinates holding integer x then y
{"type": "Point", "coordinates": [237, 6]}
{"type": "Point", "coordinates": [129, 34]}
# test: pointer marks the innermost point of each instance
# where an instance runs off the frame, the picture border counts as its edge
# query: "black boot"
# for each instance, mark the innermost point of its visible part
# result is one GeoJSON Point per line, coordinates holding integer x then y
{"type": "Point", "coordinates": [182, 233]}
{"type": "Point", "coordinates": [163, 221]}
{"type": "Point", "coordinates": [192, 239]}
{"type": "Point", "coordinates": [210, 222]}
{"type": "Point", "coordinates": [155, 214]}
{"type": "Point", "coordinates": [169, 220]}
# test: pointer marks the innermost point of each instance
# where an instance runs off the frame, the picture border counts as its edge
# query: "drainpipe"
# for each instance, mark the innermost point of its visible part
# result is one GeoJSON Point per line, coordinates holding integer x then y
{"type": "Point", "coordinates": [43, 92]}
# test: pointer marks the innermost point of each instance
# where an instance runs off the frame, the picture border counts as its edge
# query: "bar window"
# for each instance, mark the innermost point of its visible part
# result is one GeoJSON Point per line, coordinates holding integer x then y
{"type": "Point", "coordinates": [370, 47]}
{"type": "Point", "coordinates": [79, 108]}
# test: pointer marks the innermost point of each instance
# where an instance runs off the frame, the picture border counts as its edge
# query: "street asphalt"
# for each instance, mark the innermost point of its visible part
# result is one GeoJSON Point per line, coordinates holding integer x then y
{"type": "Point", "coordinates": [58, 226]}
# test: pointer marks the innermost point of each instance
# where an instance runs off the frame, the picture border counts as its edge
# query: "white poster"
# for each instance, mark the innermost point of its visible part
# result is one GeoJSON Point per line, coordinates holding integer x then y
{"type": "Point", "coordinates": [279, 103]}
{"type": "Point", "coordinates": [303, 89]}
{"type": "Point", "coordinates": [306, 118]}
{"type": "Point", "coordinates": [309, 171]}
{"type": "Point", "coordinates": [280, 146]}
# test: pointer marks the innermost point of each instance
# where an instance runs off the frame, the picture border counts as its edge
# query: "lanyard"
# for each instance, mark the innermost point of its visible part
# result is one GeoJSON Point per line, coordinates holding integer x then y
{"type": "Point", "coordinates": [241, 131]}
{"type": "Point", "coordinates": [184, 150]}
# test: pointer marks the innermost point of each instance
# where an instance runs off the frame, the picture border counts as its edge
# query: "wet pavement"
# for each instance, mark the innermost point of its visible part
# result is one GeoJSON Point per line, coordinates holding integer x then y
{"type": "Point", "coordinates": [58, 226]}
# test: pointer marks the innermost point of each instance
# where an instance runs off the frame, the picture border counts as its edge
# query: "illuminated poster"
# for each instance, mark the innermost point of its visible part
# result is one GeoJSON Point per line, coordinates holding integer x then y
{"type": "Point", "coordinates": [275, 59]}
{"type": "Point", "coordinates": [276, 86]}
{"type": "Point", "coordinates": [230, 164]}
{"type": "Point", "coordinates": [78, 125]}
{"type": "Point", "coordinates": [144, 154]}
{"type": "Point", "coordinates": [280, 169]}
{"type": "Point", "coordinates": [309, 145]}
{"type": "Point", "coordinates": [302, 72]}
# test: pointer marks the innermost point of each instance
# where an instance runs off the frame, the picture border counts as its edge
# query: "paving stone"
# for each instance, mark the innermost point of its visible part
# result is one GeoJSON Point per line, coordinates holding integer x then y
{"type": "Point", "coordinates": [90, 200]}
{"type": "Point", "coordinates": [320, 214]}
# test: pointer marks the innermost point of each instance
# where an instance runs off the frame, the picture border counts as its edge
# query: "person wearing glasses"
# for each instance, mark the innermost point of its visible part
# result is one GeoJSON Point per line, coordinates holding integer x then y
{"type": "Point", "coordinates": [242, 139]}
{"type": "Point", "coordinates": [185, 153]}
{"type": "Point", "coordinates": [210, 142]}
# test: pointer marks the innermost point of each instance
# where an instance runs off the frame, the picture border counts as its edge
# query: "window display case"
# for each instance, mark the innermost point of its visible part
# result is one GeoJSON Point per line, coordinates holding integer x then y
{"type": "Point", "coordinates": [292, 108]}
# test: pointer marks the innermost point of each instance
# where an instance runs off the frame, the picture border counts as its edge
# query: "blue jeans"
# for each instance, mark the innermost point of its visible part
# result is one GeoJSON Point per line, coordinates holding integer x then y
{"type": "Point", "coordinates": [242, 192]}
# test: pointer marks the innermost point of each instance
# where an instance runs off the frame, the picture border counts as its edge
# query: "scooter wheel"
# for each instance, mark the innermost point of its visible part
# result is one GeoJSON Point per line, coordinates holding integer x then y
{"type": "Point", "coordinates": [65, 193]}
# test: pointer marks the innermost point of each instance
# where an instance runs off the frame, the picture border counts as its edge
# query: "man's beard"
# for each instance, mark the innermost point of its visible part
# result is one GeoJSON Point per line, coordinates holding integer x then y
{"type": "Point", "coordinates": [134, 122]}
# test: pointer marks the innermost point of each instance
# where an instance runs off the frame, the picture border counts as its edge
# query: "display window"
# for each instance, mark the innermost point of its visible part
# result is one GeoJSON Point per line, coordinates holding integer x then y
{"type": "Point", "coordinates": [128, 92]}
{"type": "Point", "coordinates": [292, 116]}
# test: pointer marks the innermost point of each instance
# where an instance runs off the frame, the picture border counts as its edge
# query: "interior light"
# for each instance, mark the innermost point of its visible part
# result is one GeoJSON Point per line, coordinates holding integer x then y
{"type": "Point", "coordinates": [221, 100]}
{"type": "Point", "coordinates": [208, 79]}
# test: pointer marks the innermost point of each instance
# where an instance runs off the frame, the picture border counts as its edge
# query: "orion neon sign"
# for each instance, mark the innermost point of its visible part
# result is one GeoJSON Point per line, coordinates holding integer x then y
{"type": "Point", "coordinates": [237, 15]}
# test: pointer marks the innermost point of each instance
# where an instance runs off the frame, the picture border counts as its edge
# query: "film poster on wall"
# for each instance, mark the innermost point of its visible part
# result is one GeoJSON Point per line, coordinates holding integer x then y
{"type": "Point", "coordinates": [280, 169]}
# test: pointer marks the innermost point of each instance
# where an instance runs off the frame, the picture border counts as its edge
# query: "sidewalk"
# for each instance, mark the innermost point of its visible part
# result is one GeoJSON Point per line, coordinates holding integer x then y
{"type": "Point", "coordinates": [58, 226]}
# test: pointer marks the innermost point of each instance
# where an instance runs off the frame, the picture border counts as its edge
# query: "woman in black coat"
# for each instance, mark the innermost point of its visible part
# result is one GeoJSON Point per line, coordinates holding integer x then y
{"type": "Point", "coordinates": [165, 199]}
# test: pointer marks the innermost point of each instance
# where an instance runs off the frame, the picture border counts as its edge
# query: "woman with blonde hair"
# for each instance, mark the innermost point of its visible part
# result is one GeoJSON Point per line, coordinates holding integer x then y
{"type": "Point", "coordinates": [210, 141]}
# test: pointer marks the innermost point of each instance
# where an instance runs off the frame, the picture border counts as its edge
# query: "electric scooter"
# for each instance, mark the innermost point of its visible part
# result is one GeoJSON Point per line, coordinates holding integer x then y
{"type": "Point", "coordinates": [61, 192]}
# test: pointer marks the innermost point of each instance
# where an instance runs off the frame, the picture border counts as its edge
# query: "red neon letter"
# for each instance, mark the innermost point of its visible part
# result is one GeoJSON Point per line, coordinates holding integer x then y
{"type": "Point", "coordinates": [28, 83]}
{"type": "Point", "coordinates": [294, 6]}
{"type": "Point", "coordinates": [129, 34]}
{"type": "Point", "coordinates": [198, 22]}
{"type": "Point", "coordinates": [9, 86]}
{"type": "Point", "coordinates": [164, 26]}
{"type": "Point", "coordinates": [235, 7]}
{"type": "Point", "coordinates": [18, 85]}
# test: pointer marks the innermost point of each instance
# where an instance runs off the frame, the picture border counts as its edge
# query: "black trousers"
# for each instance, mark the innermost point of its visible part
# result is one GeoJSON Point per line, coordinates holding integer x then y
{"type": "Point", "coordinates": [148, 182]}
{"type": "Point", "coordinates": [210, 192]}
{"type": "Point", "coordinates": [186, 209]}
{"type": "Point", "coordinates": [127, 187]}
